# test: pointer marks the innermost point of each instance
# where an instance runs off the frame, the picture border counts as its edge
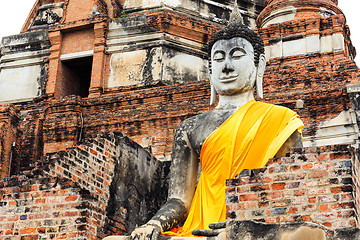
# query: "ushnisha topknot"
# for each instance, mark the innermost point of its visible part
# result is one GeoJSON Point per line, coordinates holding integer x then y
{"type": "Point", "coordinates": [236, 28]}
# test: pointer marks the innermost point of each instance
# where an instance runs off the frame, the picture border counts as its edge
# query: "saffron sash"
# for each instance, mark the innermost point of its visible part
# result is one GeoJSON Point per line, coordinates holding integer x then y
{"type": "Point", "coordinates": [246, 140]}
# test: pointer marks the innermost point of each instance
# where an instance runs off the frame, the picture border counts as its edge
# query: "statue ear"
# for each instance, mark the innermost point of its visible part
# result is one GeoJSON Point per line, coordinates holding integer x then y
{"type": "Point", "coordinates": [212, 96]}
{"type": "Point", "coordinates": [213, 93]}
{"type": "Point", "coordinates": [259, 76]}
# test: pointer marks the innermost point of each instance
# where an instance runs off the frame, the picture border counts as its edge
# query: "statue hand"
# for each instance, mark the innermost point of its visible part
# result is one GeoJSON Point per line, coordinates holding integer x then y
{"type": "Point", "coordinates": [217, 225]}
{"type": "Point", "coordinates": [148, 231]}
{"type": "Point", "coordinates": [217, 228]}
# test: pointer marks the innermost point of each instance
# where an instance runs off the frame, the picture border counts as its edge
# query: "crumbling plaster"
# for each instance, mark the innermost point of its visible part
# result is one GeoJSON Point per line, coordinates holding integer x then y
{"type": "Point", "coordinates": [301, 45]}
{"type": "Point", "coordinates": [23, 84]}
{"type": "Point", "coordinates": [22, 64]}
{"type": "Point", "coordinates": [341, 130]}
{"type": "Point", "coordinates": [140, 55]}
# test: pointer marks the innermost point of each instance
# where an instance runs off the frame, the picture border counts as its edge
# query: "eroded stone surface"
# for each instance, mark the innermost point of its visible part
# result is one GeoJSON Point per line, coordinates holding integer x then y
{"type": "Point", "coordinates": [23, 73]}
{"type": "Point", "coordinates": [304, 233]}
{"type": "Point", "coordinates": [126, 68]}
{"type": "Point", "coordinates": [23, 84]}
{"type": "Point", "coordinates": [250, 230]}
{"type": "Point", "coordinates": [138, 188]}
{"type": "Point", "coordinates": [213, 10]}
{"type": "Point", "coordinates": [48, 14]}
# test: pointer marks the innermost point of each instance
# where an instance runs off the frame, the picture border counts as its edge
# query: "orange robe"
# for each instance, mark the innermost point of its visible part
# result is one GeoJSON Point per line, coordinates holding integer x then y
{"type": "Point", "coordinates": [246, 140]}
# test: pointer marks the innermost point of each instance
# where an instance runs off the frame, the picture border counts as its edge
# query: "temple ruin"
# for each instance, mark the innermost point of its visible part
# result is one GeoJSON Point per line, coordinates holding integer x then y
{"type": "Point", "coordinates": [91, 92]}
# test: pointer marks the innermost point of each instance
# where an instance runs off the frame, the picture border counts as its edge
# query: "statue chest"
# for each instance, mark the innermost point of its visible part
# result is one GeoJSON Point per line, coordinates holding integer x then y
{"type": "Point", "coordinates": [205, 127]}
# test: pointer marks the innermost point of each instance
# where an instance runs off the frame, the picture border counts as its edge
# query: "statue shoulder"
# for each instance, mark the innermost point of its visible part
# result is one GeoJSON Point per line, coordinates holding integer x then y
{"type": "Point", "coordinates": [279, 108]}
{"type": "Point", "coordinates": [189, 133]}
{"type": "Point", "coordinates": [189, 124]}
{"type": "Point", "coordinates": [198, 127]}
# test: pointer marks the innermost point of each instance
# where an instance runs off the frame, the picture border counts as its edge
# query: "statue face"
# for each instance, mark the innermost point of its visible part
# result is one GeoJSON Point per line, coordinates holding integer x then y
{"type": "Point", "coordinates": [233, 67]}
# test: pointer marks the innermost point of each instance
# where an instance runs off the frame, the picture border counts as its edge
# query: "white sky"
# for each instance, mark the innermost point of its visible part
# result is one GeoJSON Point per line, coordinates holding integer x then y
{"type": "Point", "coordinates": [13, 14]}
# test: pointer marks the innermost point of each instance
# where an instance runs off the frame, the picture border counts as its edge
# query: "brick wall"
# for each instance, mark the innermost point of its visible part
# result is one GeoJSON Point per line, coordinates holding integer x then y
{"type": "Point", "coordinates": [126, 183]}
{"type": "Point", "coordinates": [42, 207]}
{"type": "Point", "coordinates": [9, 119]}
{"type": "Point", "coordinates": [62, 196]}
{"type": "Point", "coordinates": [312, 185]}
{"type": "Point", "coordinates": [61, 124]}
{"type": "Point", "coordinates": [316, 77]}
{"type": "Point", "coordinates": [146, 113]}
{"type": "Point", "coordinates": [356, 193]}
{"type": "Point", "coordinates": [319, 80]}
{"type": "Point", "coordinates": [77, 10]}
{"type": "Point", "coordinates": [91, 166]}
{"type": "Point", "coordinates": [31, 139]}
{"type": "Point", "coordinates": [306, 27]}
{"type": "Point", "coordinates": [67, 195]}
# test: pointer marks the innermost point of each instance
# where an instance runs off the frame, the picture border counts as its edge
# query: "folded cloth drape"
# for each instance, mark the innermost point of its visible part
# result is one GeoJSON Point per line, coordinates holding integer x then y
{"type": "Point", "coordinates": [246, 140]}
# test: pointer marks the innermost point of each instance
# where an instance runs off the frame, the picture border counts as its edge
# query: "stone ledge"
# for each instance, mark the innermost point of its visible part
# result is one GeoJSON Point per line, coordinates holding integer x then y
{"type": "Point", "coordinates": [241, 230]}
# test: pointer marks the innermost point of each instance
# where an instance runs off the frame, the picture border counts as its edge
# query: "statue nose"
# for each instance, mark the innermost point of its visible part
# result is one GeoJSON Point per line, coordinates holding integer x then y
{"type": "Point", "coordinates": [228, 68]}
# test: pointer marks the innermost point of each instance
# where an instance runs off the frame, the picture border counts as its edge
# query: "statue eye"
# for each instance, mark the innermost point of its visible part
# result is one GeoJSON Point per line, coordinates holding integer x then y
{"type": "Point", "coordinates": [219, 56]}
{"type": "Point", "coordinates": [238, 54]}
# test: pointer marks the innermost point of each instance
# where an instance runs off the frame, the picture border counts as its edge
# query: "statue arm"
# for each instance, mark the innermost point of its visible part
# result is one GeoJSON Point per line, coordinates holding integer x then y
{"type": "Point", "coordinates": [183, 176]}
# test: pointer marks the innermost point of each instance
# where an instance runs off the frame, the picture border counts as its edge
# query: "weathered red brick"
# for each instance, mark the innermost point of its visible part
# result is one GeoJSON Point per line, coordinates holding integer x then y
{"type": "Point", "coordinates": [278, 186]}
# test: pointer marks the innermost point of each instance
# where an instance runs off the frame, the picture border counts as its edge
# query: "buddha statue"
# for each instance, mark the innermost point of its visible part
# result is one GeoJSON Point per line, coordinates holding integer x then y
{"type": "Point", "coordinates": [239, 133]}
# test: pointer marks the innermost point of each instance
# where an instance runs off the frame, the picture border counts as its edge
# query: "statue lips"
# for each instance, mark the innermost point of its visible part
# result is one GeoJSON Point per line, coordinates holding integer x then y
{"type": "Point", "coordinates": [228, 79]}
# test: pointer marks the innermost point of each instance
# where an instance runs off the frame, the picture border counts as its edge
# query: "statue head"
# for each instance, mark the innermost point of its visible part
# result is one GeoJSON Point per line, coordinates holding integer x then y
{"type": "Point", "coordinates": [236, 59]}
